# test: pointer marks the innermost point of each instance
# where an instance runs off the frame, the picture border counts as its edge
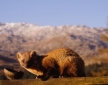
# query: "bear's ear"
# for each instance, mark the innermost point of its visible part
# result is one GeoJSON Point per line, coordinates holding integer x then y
{"type": "Point", "coordinates": [18, 55]}
{"type": "Point", "coordinates": [33, 53]}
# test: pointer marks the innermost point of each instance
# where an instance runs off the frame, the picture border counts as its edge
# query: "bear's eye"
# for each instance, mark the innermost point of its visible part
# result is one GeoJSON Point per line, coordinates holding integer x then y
{"type": "Point", "coordinates": [23, 60]}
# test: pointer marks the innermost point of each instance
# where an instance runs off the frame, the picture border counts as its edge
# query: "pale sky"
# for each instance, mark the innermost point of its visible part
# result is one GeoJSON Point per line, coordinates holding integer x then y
{"type": "Point", "coordinates": [92, 13]}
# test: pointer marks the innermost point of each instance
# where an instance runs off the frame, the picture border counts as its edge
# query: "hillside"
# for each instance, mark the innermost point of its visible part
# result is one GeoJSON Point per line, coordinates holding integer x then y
{"type": "Point", "coordinates": [20, 37]}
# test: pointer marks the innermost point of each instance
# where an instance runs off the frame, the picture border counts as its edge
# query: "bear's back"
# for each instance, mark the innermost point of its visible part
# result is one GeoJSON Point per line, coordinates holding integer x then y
{"type": "Point", "coordinates": [63, 56]}
{"type": "Point", "coordinates": [62, 53]}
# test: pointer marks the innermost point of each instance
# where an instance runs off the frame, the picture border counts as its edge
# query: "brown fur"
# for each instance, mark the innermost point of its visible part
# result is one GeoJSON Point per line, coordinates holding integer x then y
{"type": "Point", "coordinates": [60, 62]}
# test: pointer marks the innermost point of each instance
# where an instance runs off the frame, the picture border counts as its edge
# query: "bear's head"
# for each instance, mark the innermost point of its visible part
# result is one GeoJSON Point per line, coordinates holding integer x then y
{"type": "Point", "coordinates": [27, 59]}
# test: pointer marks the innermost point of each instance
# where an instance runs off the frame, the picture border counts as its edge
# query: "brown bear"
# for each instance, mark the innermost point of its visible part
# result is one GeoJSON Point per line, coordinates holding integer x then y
{"type": "Point", "coordinates": [62, 62]}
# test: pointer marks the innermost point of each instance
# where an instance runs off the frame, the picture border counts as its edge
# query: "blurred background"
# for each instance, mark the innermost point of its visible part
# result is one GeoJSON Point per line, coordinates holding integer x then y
{"type": "Point", "coordinates": [46, 25]}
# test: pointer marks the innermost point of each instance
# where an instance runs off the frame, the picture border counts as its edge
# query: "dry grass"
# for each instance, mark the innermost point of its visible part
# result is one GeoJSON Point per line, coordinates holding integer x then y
{"type": "Point", "coordinates": [59, 81]}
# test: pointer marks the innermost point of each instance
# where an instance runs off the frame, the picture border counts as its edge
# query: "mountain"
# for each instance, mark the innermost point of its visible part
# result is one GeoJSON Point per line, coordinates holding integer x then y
{"type": "Point", "coordinates": [21, 37]}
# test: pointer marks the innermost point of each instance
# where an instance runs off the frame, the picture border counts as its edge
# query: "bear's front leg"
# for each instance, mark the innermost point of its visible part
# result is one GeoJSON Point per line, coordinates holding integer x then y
{"type": "Point", "coordinates": [46, 75]}
{"type": "Point", "coordinates": [43, 78]}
